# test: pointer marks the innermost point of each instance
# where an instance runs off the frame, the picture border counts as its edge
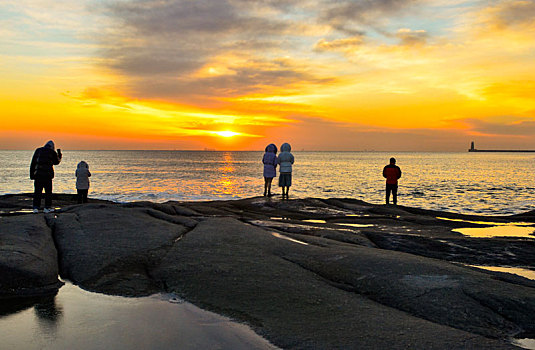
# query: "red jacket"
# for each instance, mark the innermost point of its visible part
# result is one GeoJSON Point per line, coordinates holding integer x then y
{"type": "Point", "coordinates": [392, 173]}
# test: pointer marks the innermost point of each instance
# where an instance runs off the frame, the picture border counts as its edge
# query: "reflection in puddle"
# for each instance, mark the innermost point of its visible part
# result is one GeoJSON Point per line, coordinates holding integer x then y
{"type": "Point", "coordinates": [525, 343]}
{"type": "Point", "coordinates": [514, 270]}
{"type": "Point", "coordinates": [489, 222]}
{"type": "Point", "coordinates": [284, 225]}
{"type": "Point", "coordinates": [355, 225]}
{"type": "Point", "coordinates": [22, 211]}
{"type": "Point", "coordinates": [278, 235]}
{"type": "Point", "coordinates": [508, 230]}
{"type": "Point", "coordinates": [312, 221]}
{"type": "Point", "coordinates": [77, 319]}
{"type": "Point", "coordinates": [498, 229]}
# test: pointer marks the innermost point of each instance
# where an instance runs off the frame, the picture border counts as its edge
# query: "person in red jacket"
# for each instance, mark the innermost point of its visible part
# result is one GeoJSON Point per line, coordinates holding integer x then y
{"type": "Point", "coordinates": [392, 173]}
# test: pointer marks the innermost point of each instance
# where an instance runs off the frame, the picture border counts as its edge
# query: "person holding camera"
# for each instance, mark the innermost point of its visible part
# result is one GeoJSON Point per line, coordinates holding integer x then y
{"type": "Point", "coordinates": [42, 172]}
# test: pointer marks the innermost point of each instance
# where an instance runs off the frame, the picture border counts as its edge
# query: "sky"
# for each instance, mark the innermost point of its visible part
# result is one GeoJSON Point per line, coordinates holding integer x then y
{"type": "Point", "coordinates": [348, 75]}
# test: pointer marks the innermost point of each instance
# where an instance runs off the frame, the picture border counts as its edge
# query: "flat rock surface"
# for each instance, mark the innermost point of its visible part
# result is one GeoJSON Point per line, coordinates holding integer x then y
{"type": "Point", "coordinates": [305, 273]}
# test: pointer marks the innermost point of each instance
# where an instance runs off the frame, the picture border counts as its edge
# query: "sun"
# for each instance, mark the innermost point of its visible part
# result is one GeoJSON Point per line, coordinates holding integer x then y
{"type": "Point", "coordinates": [226, 133]}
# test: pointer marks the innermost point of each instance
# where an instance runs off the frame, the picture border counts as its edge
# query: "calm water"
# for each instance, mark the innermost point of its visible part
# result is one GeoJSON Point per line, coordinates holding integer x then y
{"type": "Point", "coordinates": [488, 183]}
{"type": "Point", "coordinates": [77, 319]}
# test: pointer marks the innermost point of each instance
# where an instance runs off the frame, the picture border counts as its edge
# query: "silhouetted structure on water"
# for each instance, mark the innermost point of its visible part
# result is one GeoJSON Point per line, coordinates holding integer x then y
{"type": "Point", "coordinates": [473, 149]}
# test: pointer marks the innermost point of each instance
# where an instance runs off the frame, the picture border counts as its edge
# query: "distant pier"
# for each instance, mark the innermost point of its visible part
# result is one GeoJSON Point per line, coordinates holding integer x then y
{"type": "Point", "coordinates": [473, 149]}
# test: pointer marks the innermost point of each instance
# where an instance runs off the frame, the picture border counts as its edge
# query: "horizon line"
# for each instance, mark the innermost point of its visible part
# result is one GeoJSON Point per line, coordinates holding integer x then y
{"type": "Point", "coordinates": [230, 150]}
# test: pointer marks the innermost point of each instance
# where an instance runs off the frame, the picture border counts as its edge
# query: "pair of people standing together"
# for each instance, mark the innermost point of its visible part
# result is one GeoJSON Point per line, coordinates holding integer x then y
{"type": "Point", "coordinates": [42, 172]}
{"type": "Point", "coordinates": [285, 160]}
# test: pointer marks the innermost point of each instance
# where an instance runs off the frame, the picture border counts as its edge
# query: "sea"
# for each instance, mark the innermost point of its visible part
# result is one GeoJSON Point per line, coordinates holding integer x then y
{"type": "Point", "coordinates": [461, 182]}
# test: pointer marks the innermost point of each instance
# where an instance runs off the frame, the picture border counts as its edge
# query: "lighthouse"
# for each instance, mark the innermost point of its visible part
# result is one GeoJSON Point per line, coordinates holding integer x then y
{"type": "Point", "coordinates": [472, 147]}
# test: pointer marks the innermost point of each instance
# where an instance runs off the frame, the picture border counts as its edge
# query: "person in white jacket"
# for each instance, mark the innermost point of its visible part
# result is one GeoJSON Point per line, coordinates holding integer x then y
{"type": "Point", "coordinates": [285, 161]}
{"type": "Point", "coordinates": [82, 181]}
{"type": "Point", "coordinates": [270, 165]}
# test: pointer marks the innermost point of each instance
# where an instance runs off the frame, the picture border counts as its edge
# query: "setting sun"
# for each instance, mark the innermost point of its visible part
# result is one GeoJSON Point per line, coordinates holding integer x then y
{"type": "Point", "coordinates": [226, 133]}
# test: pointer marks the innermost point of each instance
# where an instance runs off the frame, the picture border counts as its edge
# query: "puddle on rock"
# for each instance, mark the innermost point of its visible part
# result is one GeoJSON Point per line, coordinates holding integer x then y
{"type": "Point", "coordinates": [22, 211]}
{"type": "Point", "coordinates": [526, 273]}
{"type": "Point", "coordinates": [355, 225]}
{"type": "Point", "coordinates": [508, 230]}
{"type": "Point", "coordinates": [78, 319]}
{"type": "Point", "coordinates": [490, 223]}
{"type": "Point", "coordinates": [525, 343]}
{"type": "Point", "coordinates": [278, 235]}
{"type": "Point", "coordinates": [16, 212]}
{"type": "Point", "coordinates": [495, 229]}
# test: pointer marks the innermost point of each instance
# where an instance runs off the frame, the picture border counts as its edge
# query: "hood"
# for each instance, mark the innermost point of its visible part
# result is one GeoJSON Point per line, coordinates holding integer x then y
{"type": "Point", "coordinates": [50, 144]}
{"type": "Point", "coordinates": [286, 147]}
{"type": "Point", "coordinates": [83, 164]}
{"type": "Point", "coordinates": [271, 148]}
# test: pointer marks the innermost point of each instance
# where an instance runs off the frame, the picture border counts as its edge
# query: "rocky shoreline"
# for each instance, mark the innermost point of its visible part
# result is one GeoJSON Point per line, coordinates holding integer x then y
{"type": "Point", "coordinates": [304, 273]}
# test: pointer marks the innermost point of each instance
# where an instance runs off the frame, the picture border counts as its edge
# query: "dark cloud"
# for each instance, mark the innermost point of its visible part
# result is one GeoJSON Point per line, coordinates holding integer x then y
{"type": "Point", "coordinates": [161, 18]}
{"type": "Point", "coordinates": [159, 60]}
{"type": "Point", "coordinates": [160, 43]}
{"type": "Point", "coordinates": [351, 16]}
{"type": "Point", "coordinates": [513, 13]}
{"type": "Point", "coordinates": [244, 80]}
{"type": "Point", "coordinates": [177, 37]}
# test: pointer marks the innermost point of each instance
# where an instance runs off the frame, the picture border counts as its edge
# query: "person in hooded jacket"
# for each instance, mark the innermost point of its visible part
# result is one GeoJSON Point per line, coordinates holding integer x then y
{"type": "Point", "coordinates": [270, 165]}
{"type": "Point", "coordinates": [285, 160]}
{"type": "Point", "coordinates": [82, 181]}
{"type": "Point", "coordinates": [42, 172]}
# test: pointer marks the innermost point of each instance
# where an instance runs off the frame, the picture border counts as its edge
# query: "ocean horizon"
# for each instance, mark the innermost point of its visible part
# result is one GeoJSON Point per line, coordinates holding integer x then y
{"type": "Point", "coordinates": [462, 182]}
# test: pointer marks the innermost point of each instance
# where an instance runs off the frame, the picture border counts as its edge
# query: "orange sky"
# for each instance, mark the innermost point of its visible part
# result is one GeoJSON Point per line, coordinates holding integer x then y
{"type": "Point", "coordinates": [421, 75]}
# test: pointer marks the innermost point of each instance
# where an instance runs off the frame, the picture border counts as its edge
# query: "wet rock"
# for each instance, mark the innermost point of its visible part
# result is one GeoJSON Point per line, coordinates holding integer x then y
{"type": "Point", "coordinates": [478, 251]}
{"type": "Point", "coordinates": [28, 258]}
{"type": "Point", "coordinates": [110, 249]}
{"type": "Point", "coordinates": [293, 272]}
{"type": "Point", "coordinates": [431, 289]}
{"type": "Point", "coordinates": [301, 295]}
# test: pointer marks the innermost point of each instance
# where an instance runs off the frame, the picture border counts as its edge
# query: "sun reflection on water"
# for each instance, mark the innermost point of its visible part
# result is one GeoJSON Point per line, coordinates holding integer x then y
{"type": "Point", "coordinates": [227, 184]}
{"type": "Point", "coordinates": [228, 163]}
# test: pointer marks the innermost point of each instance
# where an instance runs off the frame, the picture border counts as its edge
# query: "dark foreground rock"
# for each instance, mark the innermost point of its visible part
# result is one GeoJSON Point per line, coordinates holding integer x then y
{"type": "Point", "coordinates": [28, 257]}
{"type": "Point", "coordinates": [306, 273]}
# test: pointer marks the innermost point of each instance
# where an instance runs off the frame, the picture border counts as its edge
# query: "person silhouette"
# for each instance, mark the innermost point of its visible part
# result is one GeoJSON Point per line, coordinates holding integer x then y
{"type": "Point", "coordinates": [42, 172]}
{"type": "Point", "coordinates": [270, 165]}
{"type": "Point", "coordinates": [82, 174]}
{"type": "Point", "coordinates": [285, 160]}
{"type": "Point", "coordinates": [392, 173]}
